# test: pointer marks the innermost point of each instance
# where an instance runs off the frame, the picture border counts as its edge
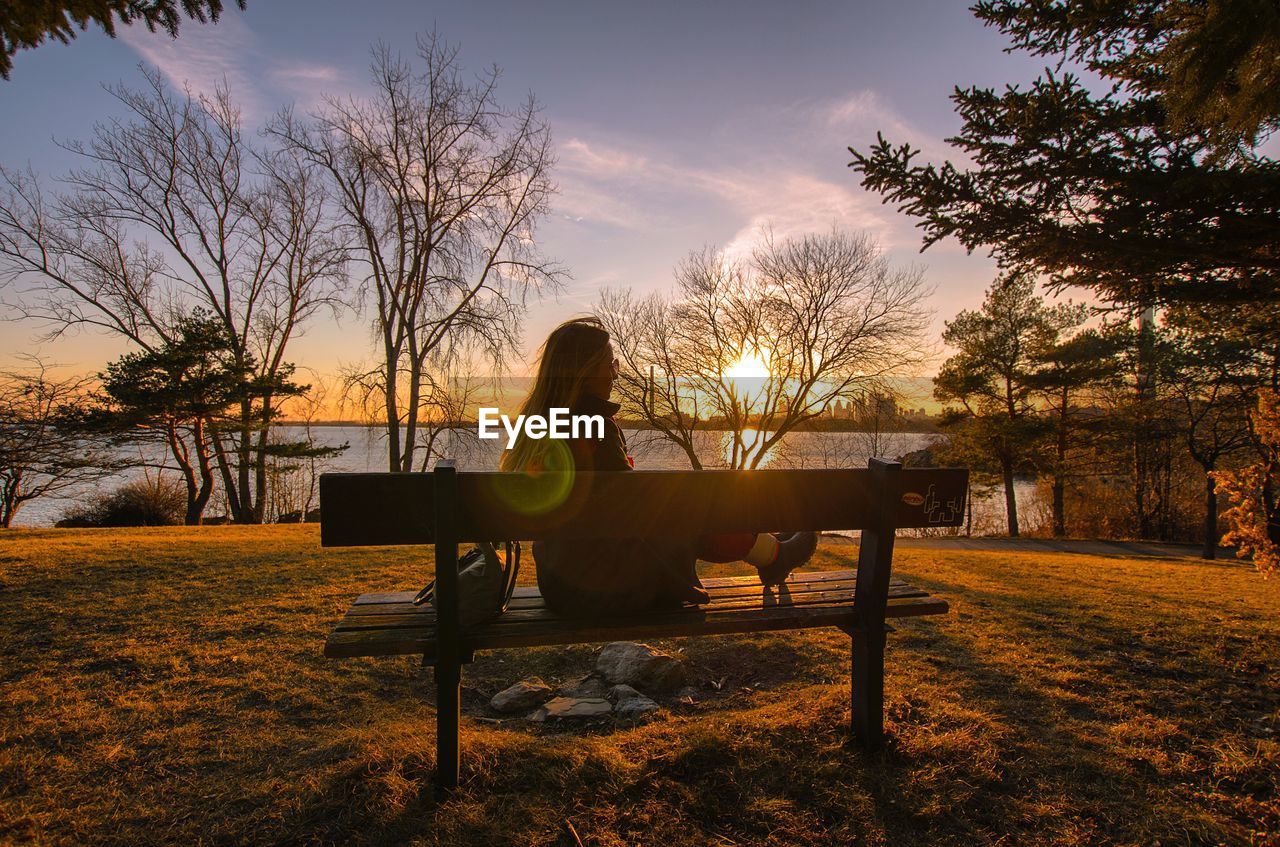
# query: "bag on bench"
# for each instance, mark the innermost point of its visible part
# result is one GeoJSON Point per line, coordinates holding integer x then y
{"type": "Point", "coordinates": [485, 583]}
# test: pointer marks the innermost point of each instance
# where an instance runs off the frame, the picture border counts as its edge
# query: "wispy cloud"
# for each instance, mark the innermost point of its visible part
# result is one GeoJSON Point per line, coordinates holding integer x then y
{"type": "Point", "coordinates": [206, 56]}
{"type": "Point", "coordinates": [600, 160]}
{"type": "Point", "coordinates": [624, 183]}
{"type": "Point", "coordinates": [587, 202]}
{"type": "Point", "coordinates": [202, 58]}
{"type": "Point", "coordinates": [617, 185]}
{"type": "Point", "coordinates": [598, 184]}
{"type": "Point", "coordinates": [304, 83]}
{"type": "Point", "coordinates": [800, 204]}
{"type": "Point", "coordinates": [863, 113]}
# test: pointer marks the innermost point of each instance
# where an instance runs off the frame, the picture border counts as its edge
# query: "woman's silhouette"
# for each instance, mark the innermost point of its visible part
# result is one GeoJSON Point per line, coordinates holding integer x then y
{"type": "Point", "coordinates": [591, 577]}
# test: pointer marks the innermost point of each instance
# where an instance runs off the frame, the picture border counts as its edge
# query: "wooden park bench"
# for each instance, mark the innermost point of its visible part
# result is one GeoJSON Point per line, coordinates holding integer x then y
{"type": "Point", "coordinates": [447, 508]}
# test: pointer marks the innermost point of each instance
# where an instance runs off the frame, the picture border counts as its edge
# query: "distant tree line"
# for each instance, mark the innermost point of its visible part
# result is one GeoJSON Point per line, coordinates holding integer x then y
{"type": "Point", "coordinates": [1129, 421]}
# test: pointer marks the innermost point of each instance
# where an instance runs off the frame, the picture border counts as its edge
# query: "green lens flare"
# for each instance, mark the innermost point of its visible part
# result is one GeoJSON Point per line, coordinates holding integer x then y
{"type": "Point", "coordinates": [541, 491]}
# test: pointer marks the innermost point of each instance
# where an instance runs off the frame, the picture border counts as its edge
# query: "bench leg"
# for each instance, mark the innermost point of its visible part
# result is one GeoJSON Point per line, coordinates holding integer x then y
{"type": "Point", "coordinates": [448, 676]}
{"type": "Point", "coordinates": [868, 688]}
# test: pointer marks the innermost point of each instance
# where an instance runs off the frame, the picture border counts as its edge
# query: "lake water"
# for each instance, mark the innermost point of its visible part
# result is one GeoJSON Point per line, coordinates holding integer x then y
{"type": "Point", "coordinates": [367, 452]}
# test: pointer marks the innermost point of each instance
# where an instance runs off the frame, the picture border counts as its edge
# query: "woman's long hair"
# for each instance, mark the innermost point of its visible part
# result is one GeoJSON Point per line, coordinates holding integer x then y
{"type": "Point", "coordinates": [572, 354]}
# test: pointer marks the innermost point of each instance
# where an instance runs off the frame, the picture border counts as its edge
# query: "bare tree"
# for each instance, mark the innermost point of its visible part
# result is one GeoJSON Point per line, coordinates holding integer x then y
{"type": "Point", "coordinates": [446, 427]}
{"type": "Point", "coordinates": [441, 188]}
{"type": "Point", "coordinates": [651, 380]}
{"type": "Point", "coordinates": [44, 448]}
{"type": "Point", "coordinates": [448, 396]}
{"type": "Point", "coordinates": [172, 209]}
{"type": "Point", "coordinates": [760, 348]}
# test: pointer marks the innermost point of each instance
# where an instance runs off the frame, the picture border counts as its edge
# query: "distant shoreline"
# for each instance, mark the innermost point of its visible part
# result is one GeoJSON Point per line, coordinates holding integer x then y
{"type": "Point", "coordinates": [914, 425]}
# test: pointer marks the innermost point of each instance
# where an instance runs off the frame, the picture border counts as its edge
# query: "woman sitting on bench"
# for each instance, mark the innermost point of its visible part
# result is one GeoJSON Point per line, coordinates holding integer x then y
{"type": "Point", "coordinates": [593, 577]}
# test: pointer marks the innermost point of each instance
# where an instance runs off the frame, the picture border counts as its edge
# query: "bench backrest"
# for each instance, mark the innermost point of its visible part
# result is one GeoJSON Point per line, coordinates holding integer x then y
{"type": "Point", "coordinates": [400, 508]}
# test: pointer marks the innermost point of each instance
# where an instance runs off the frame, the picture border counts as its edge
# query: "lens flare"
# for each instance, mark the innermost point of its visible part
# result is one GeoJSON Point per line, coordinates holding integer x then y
{"type": "Point", "coordinates": [543, 490]}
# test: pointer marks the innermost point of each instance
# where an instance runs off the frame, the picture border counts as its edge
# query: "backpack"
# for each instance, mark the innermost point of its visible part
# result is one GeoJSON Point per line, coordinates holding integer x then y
{"type": "Point", "coordinates": [485, 583]}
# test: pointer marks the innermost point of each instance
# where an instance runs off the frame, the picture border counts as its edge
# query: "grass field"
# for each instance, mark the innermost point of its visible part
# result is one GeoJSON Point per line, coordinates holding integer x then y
{"type": "Point", "coordinates": [166, 686]}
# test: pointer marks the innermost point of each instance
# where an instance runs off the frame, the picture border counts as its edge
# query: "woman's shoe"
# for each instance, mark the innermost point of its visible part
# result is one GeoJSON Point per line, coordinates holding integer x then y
{"type": "Point", "coordinates": [794, 549]}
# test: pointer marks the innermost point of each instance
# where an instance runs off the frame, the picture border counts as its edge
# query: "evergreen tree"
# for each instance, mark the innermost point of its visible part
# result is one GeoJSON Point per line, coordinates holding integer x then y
{"type": "Point", "coordinates": [1064, 373]}
{"type": "Point", "coordinates": [28, 24]}
{"type": "Point", "coordinates": [189, 393]}
{"type": "Point", "coordinates": [993, 375]}
{"type": "Point", "coordinates": [1233, 356]}
{"type": "Point", "coordinates": [174, 394]}
{"type": "Point", "coordinates": [1100, 191]}
{"type": "Point", "coordinates": [1215, 64]}
{"type": "Point", "coordinates": [1209, 379]}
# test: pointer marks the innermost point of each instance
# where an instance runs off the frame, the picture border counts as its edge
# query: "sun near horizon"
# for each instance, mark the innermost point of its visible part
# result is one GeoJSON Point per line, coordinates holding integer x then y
{"type": "Point", "coordinates": [749, 365]}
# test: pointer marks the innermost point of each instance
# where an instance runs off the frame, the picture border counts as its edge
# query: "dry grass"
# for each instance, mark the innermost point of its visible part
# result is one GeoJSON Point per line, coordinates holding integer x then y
{"type": "Point", "coordinates": [167, 686]}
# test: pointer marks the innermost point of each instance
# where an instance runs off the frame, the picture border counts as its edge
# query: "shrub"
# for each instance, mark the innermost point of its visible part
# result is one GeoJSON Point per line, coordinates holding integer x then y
{"type": "Point", "coordinates": [1253, 516]}
{"type": "Point", "coordinates": [158, 501]}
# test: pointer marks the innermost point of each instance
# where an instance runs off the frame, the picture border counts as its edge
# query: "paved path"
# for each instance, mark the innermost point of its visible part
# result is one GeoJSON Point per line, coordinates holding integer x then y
{"type": "Point", "coordinates": [1060, 545]}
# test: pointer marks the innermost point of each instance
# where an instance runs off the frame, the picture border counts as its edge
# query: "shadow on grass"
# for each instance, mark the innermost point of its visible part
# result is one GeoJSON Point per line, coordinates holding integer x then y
{"type": "Point", "coordinates": [1000, 731]}
{"type": "Point", "coordinates": [188, 697]}
{"type": "Point", "coordinates": [1151, 650]}
{"type": "Point", "coordinates": [999, 765]}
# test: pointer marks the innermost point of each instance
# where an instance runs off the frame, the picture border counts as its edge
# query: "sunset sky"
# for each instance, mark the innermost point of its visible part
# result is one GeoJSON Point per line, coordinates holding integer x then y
{"type": "Point", "coordinates": [677, 125]}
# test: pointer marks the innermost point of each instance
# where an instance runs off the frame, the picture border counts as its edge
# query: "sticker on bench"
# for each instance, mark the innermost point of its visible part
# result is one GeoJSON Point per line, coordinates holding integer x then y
{"type": "Point", "coordinates": [936, 511]}
{"type": "Point", "coordinates": [940, 512]}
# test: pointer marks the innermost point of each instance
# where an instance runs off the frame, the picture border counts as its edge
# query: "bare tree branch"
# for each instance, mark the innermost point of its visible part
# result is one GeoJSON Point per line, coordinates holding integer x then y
{"type": "Point", "coordinates": [820, 318]}
{"type": "Point", "coordinates": [441, 188]}
{"type": "Point", "coordinates": [172, 209]}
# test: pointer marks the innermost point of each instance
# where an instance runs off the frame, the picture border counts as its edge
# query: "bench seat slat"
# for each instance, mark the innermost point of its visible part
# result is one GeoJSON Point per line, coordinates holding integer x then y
{"type": "Point", "coordinates": [532, 607]}
{"type": "Point", "coordinates": [737, 589]}
{"type": "Point", "coordinates": [712, 584]}
{"type": "Point", "coordinates": [398, 617]}
{"type": "Point", "coordinates": [386, 624]}
{"type": "Point", "coordinates": [403, 622]}
{"type": "Point", "coordinates": [409, 641]}
{"type": "Point", "coordinates": [529, 598]}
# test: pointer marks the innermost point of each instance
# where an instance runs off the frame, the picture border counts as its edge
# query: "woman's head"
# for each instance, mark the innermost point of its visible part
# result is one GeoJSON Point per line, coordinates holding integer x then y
{"type": "Point", "coordinates": [576, 360]}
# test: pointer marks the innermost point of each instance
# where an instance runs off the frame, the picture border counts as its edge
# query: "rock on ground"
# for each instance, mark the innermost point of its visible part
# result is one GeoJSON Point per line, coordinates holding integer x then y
{"type": "Point", "coordinates": [522, 696]}
{"type": "Point", "coordinates": [591, 685]}
{"type": "Point", "coordinates": [572, 707]}
{"type": "Point", "coordinates": [641, 666]}
{"type": "Point", "coordinates": [629, 703]}
{"type": "Point", "coordinates": [622, 692]}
